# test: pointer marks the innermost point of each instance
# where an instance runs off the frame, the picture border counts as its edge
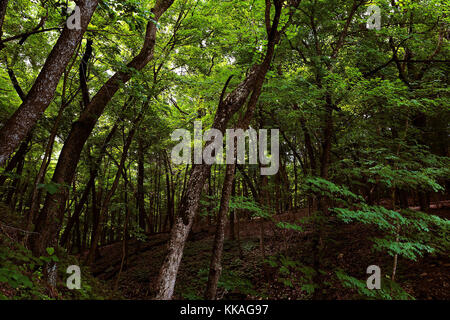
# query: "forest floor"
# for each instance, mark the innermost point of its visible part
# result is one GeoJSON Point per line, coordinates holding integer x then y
{"type": "Point", "coordinates": [247, 275]}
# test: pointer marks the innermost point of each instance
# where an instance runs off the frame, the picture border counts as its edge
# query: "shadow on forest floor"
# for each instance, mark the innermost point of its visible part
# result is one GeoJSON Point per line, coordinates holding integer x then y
{"type": "Point", "coordinates": [247, 276]}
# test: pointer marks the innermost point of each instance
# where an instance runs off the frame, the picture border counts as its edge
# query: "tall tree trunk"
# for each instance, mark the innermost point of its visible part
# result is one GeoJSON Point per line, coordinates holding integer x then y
{"type": "Point", "coordinates": [14, 187]}
{"type": "Point", "coordinates": [140, 185]}
{"type": "Point", "coordinates": [49, 222]}
{"type": "Point", "coordinates": [17, 159]}
{"type": "Point", "coordinates": [248, 182]}
{"type": "Point", "coordinates": [35, 198]}
{"type": "Point", "coordinates": [232, 213]}
{"type": "Point", "coordinates": [23, 149]}
{"type": "Point", "coordinates": [83, 72]}
{"type": "Point", "coordinates": [169, 191]}
{"type": "Point", "coordinates": [215, 267]}
{"type": "Point", "coordinates": [322, 201]}
{"type": "Point", "coordinates": [78, 234]}
{"type": "Point", "coordinates": [238, 231]}
{"type": "Point", "coordinates": [97, 195]}
{"type": "Point", "coordinates": [97, 232]}
{"type": "Point", "coordinates": [123, 261]}
{"type": "Point", "coordinates": [85, 195]}
{"type": "Point", "coordinates": [189, 204]}
{"type": "Point", "coordinates": [263, 200]}
{"type": "Point", "coordinates": [210, 199]}
{"type": "Point", "coordinates": [41, 93]}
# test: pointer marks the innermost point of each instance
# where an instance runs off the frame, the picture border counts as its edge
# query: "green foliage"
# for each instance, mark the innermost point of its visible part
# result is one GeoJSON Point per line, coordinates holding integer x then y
{"type": "Point", "coordinates": [293, 274]}
{"type": "Point", "coordinates": [51, 187]}
{"type": "Point", "coordinates": [231, 281]}
{"type": "Point", "coordinates": [248, 246]}
{"type": "Point", "coordinates": [290, 226]}
{"type": "Point", "coordinates": [417, 232]}
{"type": "Point", "coordinates": [320, 186]}
{"type": "Point", "coordinates": [208, 204]}
{"type": "Point", "coordinates": [389, 289]}
{"type": "Point", "coordinates": [139, 234]}
{"type": "Point", "coordinates": [248, 204]}
{"type": "Point", "coordinates": [21, 275]}
{"type": "Point", "coordinates": [385, 93]}
{"type": "Point", "coordinates": [21, 271]}
{"type": "Point", "coordinates": [406, 233]}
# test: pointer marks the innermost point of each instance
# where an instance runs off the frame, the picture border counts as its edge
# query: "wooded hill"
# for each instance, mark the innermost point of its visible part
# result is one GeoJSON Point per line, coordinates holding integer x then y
{"type": "Point", "coordinates": [91, 92]}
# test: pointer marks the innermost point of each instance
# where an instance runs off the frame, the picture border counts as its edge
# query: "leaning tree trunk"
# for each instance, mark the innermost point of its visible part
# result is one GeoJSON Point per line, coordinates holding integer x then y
{"type": "Point", "coordinates": [18, 157]}
{"type": "Point", "coordinates": [35, 194]}
{"type": "Point", "coordinates": [190, 201]}
{"type": "Point", "coordinates": [41, 93]}
{"type": "Point", "coordinates": [215, 267]}
{"type": "Point", "coordinates": [85, 195]}
{"type": "Point", "coordinates": [140, 185]}
{"type": "Point", "coordinates": [50, 217]}
{"type": "Point", "coordinates": [232, 213]}
{"type": "Point", "coordinates": [98, 229]}
{"type": "Point", "coordinates": [23, 149]}
{"type": "Point", "coordinates": [123, 261]}
{"type": "Point", "coordinates": [3, 6]}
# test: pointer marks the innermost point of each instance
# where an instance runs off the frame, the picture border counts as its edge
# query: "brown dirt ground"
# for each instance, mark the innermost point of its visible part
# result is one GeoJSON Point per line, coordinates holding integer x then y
{"type": "Point", "coordinates": [348, 247]}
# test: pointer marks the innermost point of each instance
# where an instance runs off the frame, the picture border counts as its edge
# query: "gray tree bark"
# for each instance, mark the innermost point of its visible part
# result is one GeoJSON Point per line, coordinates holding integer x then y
{"type": "Point", "coordinates": [49, 220]}
{"type": "Point", "coordinates": [41, 93]}
{"type": "Point", "coordinates": [190, 201]}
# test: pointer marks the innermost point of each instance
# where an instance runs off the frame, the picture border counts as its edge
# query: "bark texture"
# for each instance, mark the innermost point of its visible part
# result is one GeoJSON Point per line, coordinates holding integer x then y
{"type": "Point", "coordinates": [140, 186]}
{"type": "Point", "coordinates": [85, 195]}
{"type": "Point", "coordinates": [190, 201]}
{"type": "Point", "coordinates": [215, 267]}
{"type": "Point", "coordinates": [41, 93]}
{"type": "Point", "coordinates": [3, 6]}
{"type": "Point", "coordinates": [50, 217]}
{"type": "Point", "coordinates": [97, 231]}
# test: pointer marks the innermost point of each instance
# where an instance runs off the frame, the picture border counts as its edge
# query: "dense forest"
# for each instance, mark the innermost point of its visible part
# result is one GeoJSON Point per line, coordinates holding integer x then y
{"type": "Point", "coordinates": [346, 198]}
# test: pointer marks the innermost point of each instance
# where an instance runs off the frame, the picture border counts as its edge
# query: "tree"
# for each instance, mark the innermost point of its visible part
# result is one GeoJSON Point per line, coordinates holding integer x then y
{"type": "Point", "coordinates": [49, 219]}
{"type": "Point", "coordinates": [41, 93]}
{"type": "Point", "coordinates": [189, 204]}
